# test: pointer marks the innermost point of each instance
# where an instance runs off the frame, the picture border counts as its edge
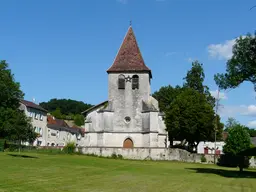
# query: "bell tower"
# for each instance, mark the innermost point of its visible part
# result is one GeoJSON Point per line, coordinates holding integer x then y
{"type": "Point", "coordinates": [128, 84]}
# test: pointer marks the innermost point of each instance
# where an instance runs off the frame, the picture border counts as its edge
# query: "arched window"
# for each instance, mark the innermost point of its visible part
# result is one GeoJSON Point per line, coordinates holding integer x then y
{"type": "Point", "coordinates": [128, 143]}
{"type": "Point", "coordinates": [135, 82]}
{"type": "Point", "coordinates": [121, 82]}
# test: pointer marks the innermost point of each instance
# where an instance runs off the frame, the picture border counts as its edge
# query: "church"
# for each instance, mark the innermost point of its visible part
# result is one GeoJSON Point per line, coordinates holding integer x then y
{"type": "Point", "coordinates": [130, 118]}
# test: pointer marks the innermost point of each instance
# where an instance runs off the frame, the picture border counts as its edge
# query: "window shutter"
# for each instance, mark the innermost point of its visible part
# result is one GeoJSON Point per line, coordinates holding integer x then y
{"type": "Point", "coordinates": [121, 82]}
{"type": "Point", "coordinates": [135, 82]}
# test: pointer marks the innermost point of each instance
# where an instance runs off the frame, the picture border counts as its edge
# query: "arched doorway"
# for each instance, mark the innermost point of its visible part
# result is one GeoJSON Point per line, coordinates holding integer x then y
{"type": "Point", "coordinates": [128, 143]}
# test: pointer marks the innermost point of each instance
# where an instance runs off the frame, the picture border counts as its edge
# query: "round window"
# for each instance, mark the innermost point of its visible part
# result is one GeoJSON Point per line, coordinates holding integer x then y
{"type": "Point", "coordinates": [127, 119]}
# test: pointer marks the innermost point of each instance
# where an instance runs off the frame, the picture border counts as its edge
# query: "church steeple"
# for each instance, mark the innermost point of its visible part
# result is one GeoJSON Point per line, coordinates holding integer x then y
{"type": "Point", "coordinates": [129, 58]}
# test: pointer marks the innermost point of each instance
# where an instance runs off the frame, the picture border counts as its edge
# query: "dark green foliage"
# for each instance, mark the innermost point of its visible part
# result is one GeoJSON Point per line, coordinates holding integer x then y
{"type": "Point", "coordinates": [19, 128]}
{"type": "Point", "coordinates": [57, 113]}
{"type": "Point", "coordinates": [203, 159]}
{"type": "Point", "coordinates": [242, 66]}
{"type": "Point", "coordinates": [115, 156]}
{"type": "Point", "coordinates": [165, 96]}
{"type": "Point", "coordinates": [237, 141]}
{"type": "Point", "coordinates": [195, 79]}
{"type": "Point", "coordinates": [252, 132]}
{"type": "Point", "coordinates": [14, 147]}
{"type": "Point", "coordinates": [65, 106]}
{"type": "Point", "coordinates": [228, 160]}
{"type": "Point", "coordinates": [14, 125]}
{"type": "Point", "coordinates": [190, 118]}
{"type": "Point", "coordinates": [2, 143]}
{"type": "Point", "coordinates": [79, 120]}
{"type": "Point", "coordinates": [10, 93]}
{"type": "Point", "coordinates": [69, 148]}
{"type": "Point", "coordinates": [189, 109]}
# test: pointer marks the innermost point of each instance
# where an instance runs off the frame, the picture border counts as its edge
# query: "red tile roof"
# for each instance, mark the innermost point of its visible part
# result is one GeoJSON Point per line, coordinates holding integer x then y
{"type": "Point", "coordinates": [32, 105]}
{"type": "Point", "coordinates": [53, 121]}
{"type": "Point", "coordinates": [129, 58]}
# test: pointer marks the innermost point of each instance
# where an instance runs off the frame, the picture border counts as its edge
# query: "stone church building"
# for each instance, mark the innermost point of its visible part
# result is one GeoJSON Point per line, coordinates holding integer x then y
{"type": "Point", "coordinates": [130, 118]}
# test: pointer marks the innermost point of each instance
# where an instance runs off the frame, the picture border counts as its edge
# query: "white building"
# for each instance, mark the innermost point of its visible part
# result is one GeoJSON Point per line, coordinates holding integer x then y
{"type": "Point", "coordinates": [38, 117]}
{"type": "Point", "coordinates": [51, 132]}
{"type": "Point", "coordinates": [130, 117]}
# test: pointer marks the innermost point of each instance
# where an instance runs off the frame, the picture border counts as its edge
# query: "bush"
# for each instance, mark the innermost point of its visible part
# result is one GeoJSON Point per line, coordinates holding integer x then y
{"type": "Point", "coordinates": [203, 159]}
{"type": "Point", "coordinates": [69, 148]}
{"type": "Point", "coordinates": [232, 161]}
{"type": "Point", "coordinates": [2, 143]}
{"type": "Point", "coordinates": [114, 156]}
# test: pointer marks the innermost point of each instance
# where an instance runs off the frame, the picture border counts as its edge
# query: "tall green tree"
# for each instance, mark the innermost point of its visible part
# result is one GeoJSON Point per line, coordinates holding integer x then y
{"type": "Point", "coordinates": [237, 141]}
{"type": "Point", "coordinates": [190, 118]}
{"type": "Point", "coordinates": [10, 93]}
{"type": "Point", "coordinates": [14, 124]}
{"type": "Point", "coordinates": [231, 122]}
{"type": "Point", "coordinates": [165, 96]}
{"type": "Point", "coordinates": [242, 65]}
{"type": "Point", "coordinates": [195, 80]}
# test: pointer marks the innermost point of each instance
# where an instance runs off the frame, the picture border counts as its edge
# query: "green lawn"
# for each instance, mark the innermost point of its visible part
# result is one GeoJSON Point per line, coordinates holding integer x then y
{"type": "Point", "coordinates": [82, 173]}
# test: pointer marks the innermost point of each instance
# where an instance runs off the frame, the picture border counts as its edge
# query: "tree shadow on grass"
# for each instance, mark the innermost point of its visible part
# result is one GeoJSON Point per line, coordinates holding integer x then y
{"type": "Point", "coordinates": [23, 156]}
{"type": "Point", "coordinates": [226, 173]}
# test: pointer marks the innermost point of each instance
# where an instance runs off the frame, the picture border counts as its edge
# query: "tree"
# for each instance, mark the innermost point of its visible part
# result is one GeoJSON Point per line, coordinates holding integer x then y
{"type": "Point", "coordinates": [57, 113]}
{"type": "Point", "coordinates": [66, 106]}
{"type": "Point", "coordinates": [79, 120]}
{"type": "Point", "coordinates": [165, 96]}
{"type": "Point", "coordinates": [190, 118]}
{"type": "Point", "coordinates": [231, 122]}
{"type": "Point", "coordinates": [242, 65]}
{"type": "Point", "coordinates": [14, 124]}
{"type": "Point", "coordinates": [19, 128]}
{"type": "Point", "coordinates": [10, 93]}
{"type": "Point", "coordinates": [195, 79]}
{"type": "Point", "coordinates": [237, 141]}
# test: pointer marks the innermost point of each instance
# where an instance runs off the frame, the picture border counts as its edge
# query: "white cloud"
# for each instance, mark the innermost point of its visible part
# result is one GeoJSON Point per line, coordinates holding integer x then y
{"type": "Point", "coordinates": [122, 1]}
{"type": "Point", "coordinates": [221, 51]}
{"type": "Point", "coordinates": [231, 111]}
{"type": "Point", "coordinates": [252, 124]}
{"type": "Point", "coordinates": [250, 111]}
{"type": "Point", "coordinates": [222, 95]}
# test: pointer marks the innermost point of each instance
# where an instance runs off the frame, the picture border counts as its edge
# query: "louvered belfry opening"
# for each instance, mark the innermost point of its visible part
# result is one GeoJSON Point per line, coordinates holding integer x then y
{"type": "Point", "coordinates": [121, 82]}
{"type": "Point", "coordinates": [135, 82]}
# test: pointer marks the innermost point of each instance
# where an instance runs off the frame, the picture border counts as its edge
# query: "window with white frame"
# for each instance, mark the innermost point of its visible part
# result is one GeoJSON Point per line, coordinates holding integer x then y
{"type": "Point", "coordinates": [40, 131]}
{"type": "Point", "coordinates": [41, 116]}
{"type": "Point", "coordinates": [36, 115]}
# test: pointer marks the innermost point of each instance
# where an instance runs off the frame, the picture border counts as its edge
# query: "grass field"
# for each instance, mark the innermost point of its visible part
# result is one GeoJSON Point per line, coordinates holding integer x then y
{"type": "Point", "coordinates": [82, 173]}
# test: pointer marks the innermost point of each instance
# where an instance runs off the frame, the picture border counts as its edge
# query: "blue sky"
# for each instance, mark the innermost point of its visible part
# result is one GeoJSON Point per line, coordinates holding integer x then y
{"type": "Point", "coordinates": [62, 49]}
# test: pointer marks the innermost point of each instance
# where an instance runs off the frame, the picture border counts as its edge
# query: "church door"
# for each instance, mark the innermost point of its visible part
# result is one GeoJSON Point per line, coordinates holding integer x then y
{"type": "Point", "coordinates": [128, 143]}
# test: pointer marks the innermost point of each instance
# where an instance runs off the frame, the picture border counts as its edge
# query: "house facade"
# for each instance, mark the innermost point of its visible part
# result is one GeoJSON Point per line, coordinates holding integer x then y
{"type": "Point", "coordinates": [130, 117]}
{"type": "Point", "coordinates": [51, 131]}
{"type": "Point", "coordinates": [38, 116]}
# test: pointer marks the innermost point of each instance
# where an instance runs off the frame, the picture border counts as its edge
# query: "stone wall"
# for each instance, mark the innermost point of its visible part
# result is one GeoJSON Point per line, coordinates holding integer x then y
{"type": "Point", "coordinates": [148, 153]}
